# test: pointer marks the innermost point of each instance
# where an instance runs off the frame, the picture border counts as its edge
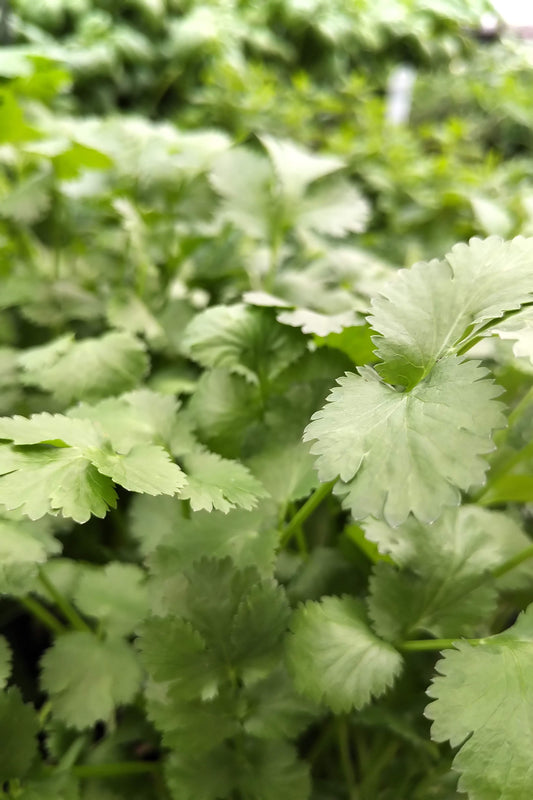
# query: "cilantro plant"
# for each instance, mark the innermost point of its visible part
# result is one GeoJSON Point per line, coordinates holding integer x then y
{"type": "Point", "coordinates": [265, 499]}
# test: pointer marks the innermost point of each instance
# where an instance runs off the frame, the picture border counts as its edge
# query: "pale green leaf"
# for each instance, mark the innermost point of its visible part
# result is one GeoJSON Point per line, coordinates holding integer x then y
{"type": "Point", "coordinates": [207, 776]}
{"type": "Point", "coordinates": [295, 166]}
{"type": "Point", "coordinates": [88, 369]}
{"type": "Point", "coordinates": [319, 324]}
{"type": "Point", "coordinates": [426, 312]}
{"type": "Point", "coordinates": [335, 658]}
{"type": "Point", "coordinates": [519, 329]}
{"type": "Point", "coordinates": [483, 700]}
{"type": "Point", "coordinates": [138, 417]}
{"type": "Point", "coordinates": [335, 208]}
{"type": "Point", "coordinates": [243, 178]}
{"type": "Point", "coordinates": [215, 482]}
{"type": "Point", "coordinates": [87, 678]}
{"type": "Point", "coordinates": [115, 595]}
{"type": "Point", "coordinates": [145, 468]}
{"type": "Point", "coordinates": [23, 545]}
{"type": "Point", "coordinates": [285, 469]}
{"type": "Point", "coordinates": [401, 452]}
{"type": "Point", "coordinates": [493, 217]}
{"type": "Point", "coordinates": [29, 200]}
{"type": "Point", "coordinates": [41, 481]}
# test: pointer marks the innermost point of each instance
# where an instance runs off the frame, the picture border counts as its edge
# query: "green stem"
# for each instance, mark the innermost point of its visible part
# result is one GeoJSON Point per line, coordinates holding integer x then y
{"type": "Point", "coordinates": [431, 644]}
{"type": "Point", "coordinates": [305, 511]}
{"type": "Point", "coordinates": [68, 611]}
{"type": "Point", "coordinates": [343, 738]}
{"type": "Point", "coordinates": [502, 469]}
{"type": "Point", "coordinates": [42, 614]}
{"type": "Point", "coordinates": [520, 407]}
{"type": "Point", "coordinates": [116, 769]}
{"type": "Point", "coordinates": [380, 759]}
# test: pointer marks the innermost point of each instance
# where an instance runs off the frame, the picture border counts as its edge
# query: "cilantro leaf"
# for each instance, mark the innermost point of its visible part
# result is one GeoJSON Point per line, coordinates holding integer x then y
{"type": "Point", "coordinates": [335, 658]}
{"type": "Point", "coordinates": [145, 468]}
{"type": "Point", "coordinates": [116, 595]}
{"type": "Point", "coordinates": [88, 369]}
{"type": "Point", "coordinates": [215, 482]}
{"type": "Point", "coordinates": [401, 452]}
{"type": "Point", "coordinates": [87, 678]}
{"type": "Point", "coordinates": [482, 700]}
{"type": "Point", "coordinates": [518, 328]}
{"type": "Point", "coordinates": [275, 710]}
{"type": "Point", "coordinates": [244, 339]}
{"type": "Point", "coordinates": [295, 166]}
{"type": "Point", "coordinates": [426, 312]}
{"type": "Point", "coordinates": [19, 726]}
{"type": "Point", "coordinates": [23, 545]}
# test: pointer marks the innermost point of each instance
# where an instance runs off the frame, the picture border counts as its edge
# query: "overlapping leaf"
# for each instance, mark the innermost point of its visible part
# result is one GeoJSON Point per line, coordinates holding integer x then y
{"type": "Point", "coordinates": [335, 658]}
{"type": "Point", "coordinates": [483, 697]}
{"type": "Point", "coordinates": [402, 452]}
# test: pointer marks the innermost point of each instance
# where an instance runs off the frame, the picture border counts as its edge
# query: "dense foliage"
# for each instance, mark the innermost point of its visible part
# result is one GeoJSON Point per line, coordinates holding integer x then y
{"type": "Point", "coordinates": [254, 478]}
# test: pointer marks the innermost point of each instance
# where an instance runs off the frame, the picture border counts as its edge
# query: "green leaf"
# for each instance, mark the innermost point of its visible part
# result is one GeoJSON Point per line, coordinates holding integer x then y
{"type": "Point", "coordinates": [29, 200]}
{"type": "Point", "coordinates": [223, 407]}
{"type": "Point", "coordinates": [285, 469]}
{"type": "Point", "coordinates": [426, 312]}
{"type": "Point", "coordinates": [87, 678]}
{"type": "Point", "coordinates": [243, 179]}
{"type": "Point", "coordinates": [215, 482]}
{"type": "Point", "coordinates": [442, 564]}
{"type": "Point", "coordinates": [138, 417]}
{"type": "Point", "coordinates": [88, 369]}
{"type": "Point", "coordinates": [5, 662]}
{"type": "Point", "coordinates": [482, 704]}
{"type": "Point", "coordinates": [295, 166]}
{"type": "Point", "coordinates": [248, 537]}
{"type": "Point", "coordinates": [334, 208]}
{"type": "Point", "coordinates": [518, 328]}
{"type": "Point", "coordinates": [116, 595]}
{"type": "Point", "coordinates": [207, 776]}
{"type": "Point", "coordinates": [401, 452]}
{"type": "Point", "coordinates": [335, 658]}
{"type": "Point", "coordinates": [243, 339]}
{"type": "Point", "coordinates": [145, 468]}
{"type": "Point", "coordinates": [174, 652]}
{"type": "Point", "coordinates": [23, 545]}
{"type": "Point", "coordinates": [271, 770]}
{"type": "Point", "coordinates": [275, 710]}
{"type": "Point", "coordinates": [19, 726]}
{"type": "Point", "coordinates": [48, 480]}
{"type": "Point", "coordinates": [258, 627]}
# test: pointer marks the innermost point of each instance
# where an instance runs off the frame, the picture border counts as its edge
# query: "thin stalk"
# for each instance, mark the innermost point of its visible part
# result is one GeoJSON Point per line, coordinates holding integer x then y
{"type": "Point", "coordinates": [70, 757]}
{"type": "Point", "coordinates": [116, 769]}
{"type": "Point", "coordinates": [305, 511]}
{"type": "Point", "coordinates": [430, 644]}
{"type": "Point", "coordinates": [68, 610]}
{"type": "Point", "coordinates": [370, 782]}
{"type": "Point", "coordinates": [42, 614]}
{"type": "Point", "coordinates": [504, 468]}
{"type": "Point", "coordinates": [343, 739]}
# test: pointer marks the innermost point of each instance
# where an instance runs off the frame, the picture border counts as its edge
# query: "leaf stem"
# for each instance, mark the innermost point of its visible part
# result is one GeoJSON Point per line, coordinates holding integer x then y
{"type": "Point", "coordinates": [115, 769]}
{"type": "Point", "coordinates": [42, 614]}
{"type": "Point", "coordinates": [68, 611]}
{"type": "Point", "coordinates": [305, 511]}
{"type": "Point", "coordinates": [343, 739]}
{"type": "Point", "coordinates": [430, 644]}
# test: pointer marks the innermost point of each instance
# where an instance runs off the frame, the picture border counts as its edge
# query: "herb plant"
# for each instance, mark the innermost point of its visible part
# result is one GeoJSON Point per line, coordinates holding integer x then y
{"type": "Point", "coordinates": [265, 499]}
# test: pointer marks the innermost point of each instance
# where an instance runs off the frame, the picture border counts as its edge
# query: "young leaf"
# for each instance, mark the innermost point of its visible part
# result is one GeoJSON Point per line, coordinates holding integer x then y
{"type": "Point", "coordinates": [87, 678]}
{"type": "Point", "coordinates": [335, 658]}
{"type": "Point", "coordinates": [88, 369]}
{"type": "Point", "coordinates": [146, 468]}
{"type": "Point", "coordinates": [23, 545]}
{"type": "Point", "coordinates": [519, 328]}
{"type": "Point", "coordinates": [275, 710]}
{"type": "Point", "coordinates": [297, 167]}
{"type": "Point", "coordinates": [482, 704]}
{"type": "Point", "coordinates": [401, 452]}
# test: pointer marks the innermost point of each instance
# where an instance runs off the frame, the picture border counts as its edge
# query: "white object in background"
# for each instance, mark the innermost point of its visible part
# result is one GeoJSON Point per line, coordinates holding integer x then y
{"type": "Point", "coordinates": [515, 13]}
{"type": "Point", "coordinates": [400, 94]}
